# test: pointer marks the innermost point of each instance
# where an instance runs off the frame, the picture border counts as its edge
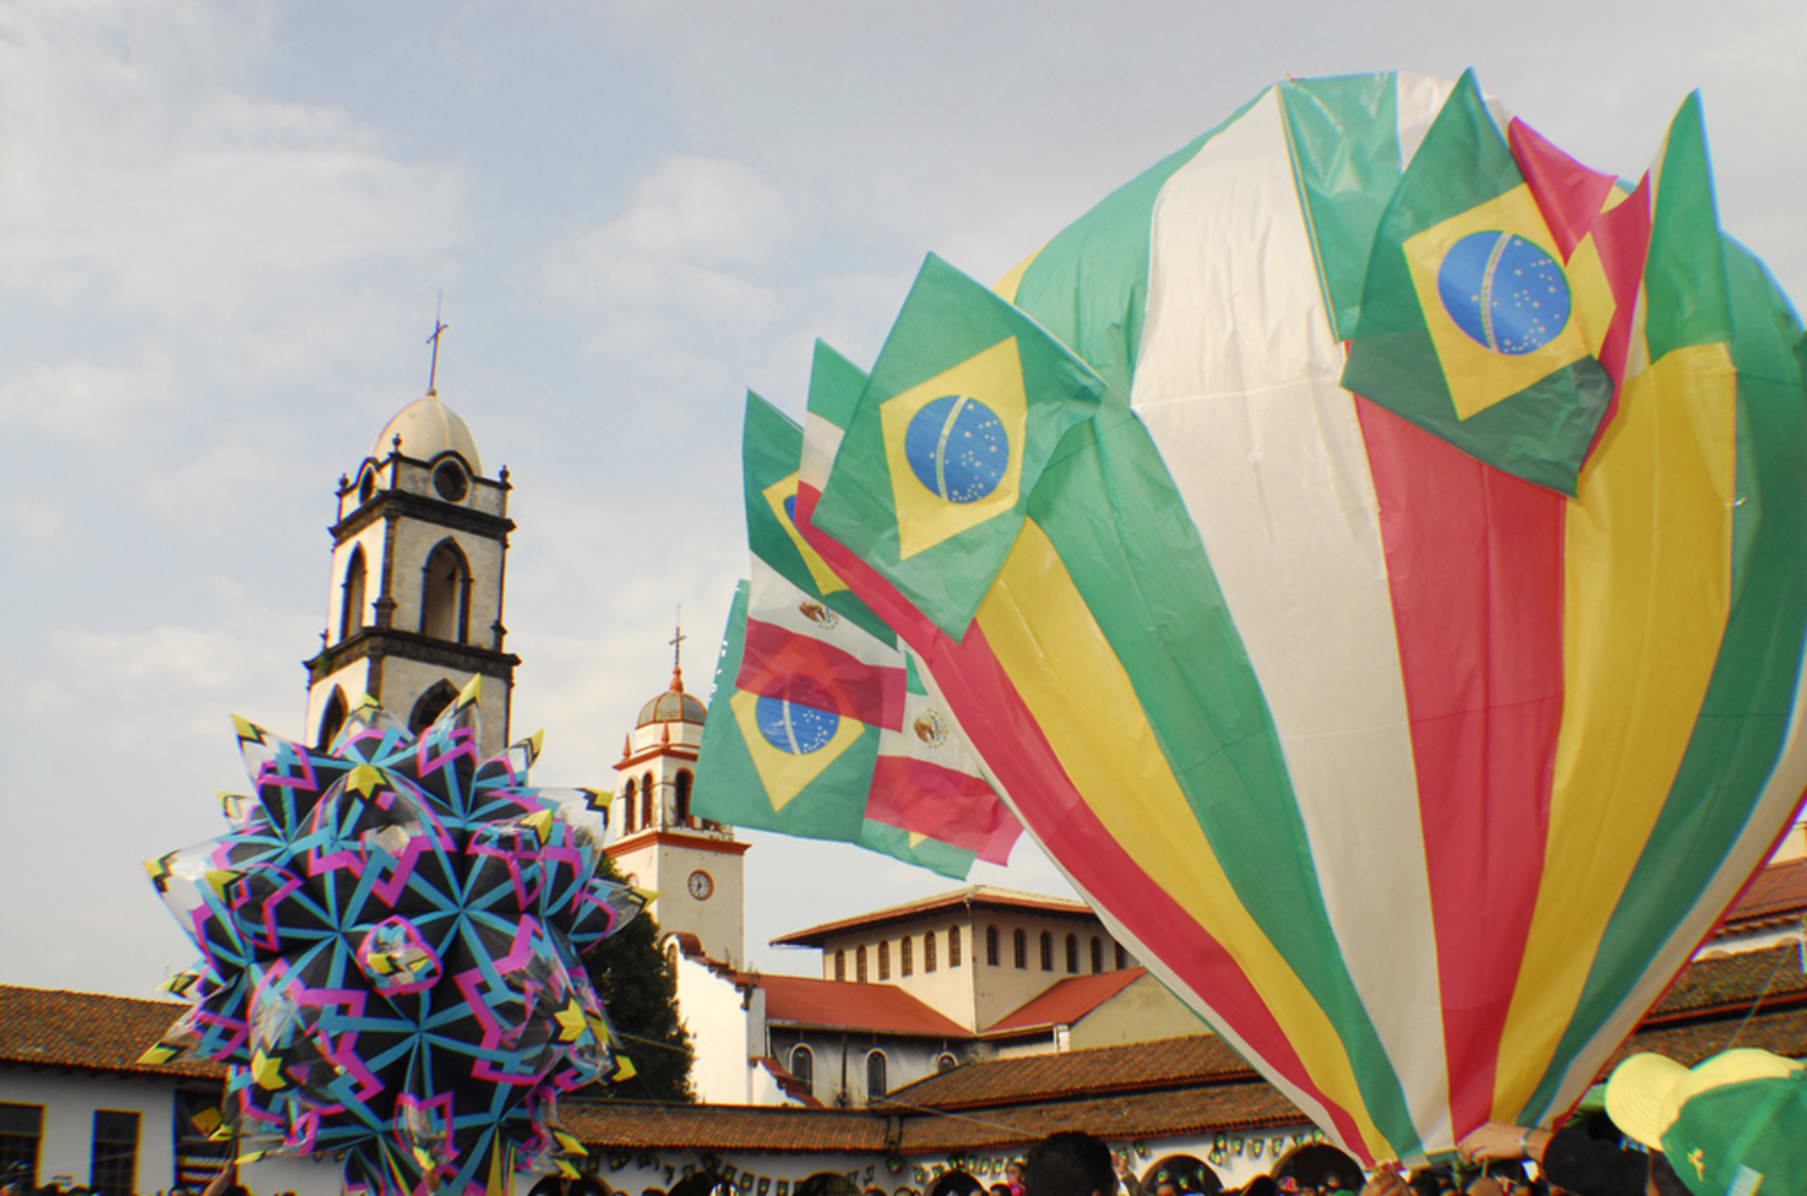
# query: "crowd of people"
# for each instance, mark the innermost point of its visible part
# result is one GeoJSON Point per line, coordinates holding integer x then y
{"type": "Point", "coordinates": [1734, 1125]}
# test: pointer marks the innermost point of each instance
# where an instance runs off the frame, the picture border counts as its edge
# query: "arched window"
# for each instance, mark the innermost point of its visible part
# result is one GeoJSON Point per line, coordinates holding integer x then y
{"type": "Point", "coordinates": [1072, 953]}
{"type": "Point", "coordinates": [906, 956]}
{"type": "Point", "coordinates": [953, 946]}
{"type": "Point", "coordinates": [875, 1076]}
{"type": "Point", "coordinates": [859, 963]}
{"type": "Point", "coordinates": [928, 952]}
{"type": "Point", "coordinates": [945, 1062]}
{"type": "Point", "coordinates": [627, 807]}
{"type": "Point", "coordinates": [646, 801]}
{"type": "Point", "coordinates": [366, 486]}
{"type": "Point", "coordinates": [1122, 957]}
{"type": "Point", "coordinates": [1097, 954]}
{"type": "Point", "coordinates": [445, 598]}
{"type": "Point", "coordinates": [351, 602]}
{"type": "Point", "coordinates": [840, 964]}
{"type": "Point", "coordinates": [332, 720]}
{"type": "Point", "coordinates": [884, 960]}
{"type": "Point", "coordinates": [683, 797]}
{"type": "Point", "coordinates": [430, 705]}
{"type": "Point", "coordinates": [1020, 942]}
{"type": "Point", "coordinates": [1047, 952]}
{"type": "Point", "coordinates": [803, 1066]}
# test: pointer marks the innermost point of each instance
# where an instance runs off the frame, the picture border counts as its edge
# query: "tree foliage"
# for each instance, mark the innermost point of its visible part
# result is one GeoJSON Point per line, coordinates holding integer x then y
{"type": "Point", "coordinates": [639, 986]}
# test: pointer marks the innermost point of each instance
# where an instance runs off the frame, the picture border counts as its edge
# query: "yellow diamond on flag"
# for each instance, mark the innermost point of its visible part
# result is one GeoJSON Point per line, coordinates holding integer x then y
{"type": "Point", "coordinates": [779, 496]}
{"type": "Point", "coordinates": [1512, 271]}
{"type": "Point", "coordinates": [954, 446]}
{"type": "Point", "coordinates": [788, 770]}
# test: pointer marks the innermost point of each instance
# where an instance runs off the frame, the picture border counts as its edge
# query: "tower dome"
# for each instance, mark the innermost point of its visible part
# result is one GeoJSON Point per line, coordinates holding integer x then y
{"type": "Point", "coordinates": [428, 428]}
{"type": "Point", "coordinates": [673, 706]}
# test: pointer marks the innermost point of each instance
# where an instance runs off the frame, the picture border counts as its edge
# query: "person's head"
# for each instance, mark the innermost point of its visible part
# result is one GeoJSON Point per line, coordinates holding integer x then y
{"type": "Point", "coordinates": [1725, 1124]}
{"type": "Point", "coordinates": [1070, 1164]}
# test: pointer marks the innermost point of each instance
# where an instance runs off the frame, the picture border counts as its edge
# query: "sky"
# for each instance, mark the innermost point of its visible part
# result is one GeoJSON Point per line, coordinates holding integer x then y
{"type": "Point", "coordinates": [224, 228]}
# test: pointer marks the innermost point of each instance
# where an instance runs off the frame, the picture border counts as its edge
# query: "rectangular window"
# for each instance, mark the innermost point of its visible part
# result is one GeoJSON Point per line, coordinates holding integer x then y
{"type": "Point", "coordinates": [113, 1159]}
{"type": "Point", "coordinates": [906, 956]}
{"type": "Point", "coordinates": [953, 947]}
{"type": "Point", "coordinates": [884, 960]}
{"type": "Point", "coordinates": [21, 1129]}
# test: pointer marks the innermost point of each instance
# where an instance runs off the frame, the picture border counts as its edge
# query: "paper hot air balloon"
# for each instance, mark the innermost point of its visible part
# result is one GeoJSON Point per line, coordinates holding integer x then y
{"type": "Point", "coordinates": [1369, 552]}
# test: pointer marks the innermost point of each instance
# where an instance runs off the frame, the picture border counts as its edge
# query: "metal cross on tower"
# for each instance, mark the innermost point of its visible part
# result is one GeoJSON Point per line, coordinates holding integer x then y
{"type": "Point", "coordinates": [439, 328]}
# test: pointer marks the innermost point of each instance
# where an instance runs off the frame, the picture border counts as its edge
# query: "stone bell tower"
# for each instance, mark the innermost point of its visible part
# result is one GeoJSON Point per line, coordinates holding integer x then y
{"type": "Point", "coordinates": [415, 607]}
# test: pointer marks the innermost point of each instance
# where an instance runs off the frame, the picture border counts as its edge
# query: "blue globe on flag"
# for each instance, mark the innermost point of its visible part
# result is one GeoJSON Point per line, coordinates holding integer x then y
{"type": "Point", "coordinates": [958, 448]}
{"type": "Point", "coordinates": [1504, 291]}
{"type": "Point", "coordinates": [791, 726]}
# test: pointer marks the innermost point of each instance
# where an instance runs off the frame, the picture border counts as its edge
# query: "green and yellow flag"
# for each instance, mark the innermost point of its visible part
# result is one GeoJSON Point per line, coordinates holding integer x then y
{"type": "Point", "coordinates": [931, 475]}
{"type": "Point", "coordinates": [1472, 325]}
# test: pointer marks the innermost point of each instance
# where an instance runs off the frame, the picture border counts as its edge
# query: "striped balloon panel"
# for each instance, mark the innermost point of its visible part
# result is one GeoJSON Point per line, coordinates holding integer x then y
{"type": "Point", "coordinates": [1548, 739]}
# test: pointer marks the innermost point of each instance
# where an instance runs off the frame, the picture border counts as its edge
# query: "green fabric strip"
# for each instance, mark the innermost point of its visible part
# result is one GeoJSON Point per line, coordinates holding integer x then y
{"type": "Point", "coordinates": [1684, 274]}
{"type": "Point", "coordinates": [933, 854]}
{"type": "Point", "coordinates": [1089, 285]}
{"type": "Point", "coordinates": [1344, 135]}
{"type": "Point", "coordinates": [1745, 715]}
{"type": "Point", "coordinates": [834, 385]}
{"type": "Point", "coordinates": [1117, 521]}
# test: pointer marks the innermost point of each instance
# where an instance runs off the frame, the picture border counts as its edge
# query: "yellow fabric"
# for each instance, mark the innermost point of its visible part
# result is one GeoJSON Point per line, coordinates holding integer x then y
{"type": "Point", "coordinates": [993, 376]}
{"type": "Point", "coordinates": [1478, 377]}
{"type": "Point", "coordinates": [1007, 285]}
{"type": "Point", "coordinates": [1646, 591]}
{"type": "Point", "coordinates": [1044, 636]}
{"type": "Point", "coordinates": [786, 774]}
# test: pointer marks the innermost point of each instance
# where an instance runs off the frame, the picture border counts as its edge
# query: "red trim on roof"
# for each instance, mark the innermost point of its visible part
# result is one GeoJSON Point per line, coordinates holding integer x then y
{"type": "Point", "coordinates": [1065, 1003]}
{"type": "Point", "coordinates": [973, 896]}
{"type": "Point", "coordinates": [848, 1005]}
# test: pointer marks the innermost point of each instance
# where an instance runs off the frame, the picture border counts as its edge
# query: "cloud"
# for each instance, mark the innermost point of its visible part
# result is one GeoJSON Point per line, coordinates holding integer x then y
{"type": "Point", "coordinates": [142, 179]}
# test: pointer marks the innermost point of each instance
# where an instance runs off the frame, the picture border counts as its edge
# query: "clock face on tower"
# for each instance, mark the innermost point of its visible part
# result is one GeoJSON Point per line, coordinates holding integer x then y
{"type": "Point", "coordinates": [701, 885]}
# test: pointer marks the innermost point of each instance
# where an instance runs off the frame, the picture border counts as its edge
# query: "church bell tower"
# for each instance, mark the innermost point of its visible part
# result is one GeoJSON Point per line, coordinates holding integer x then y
{"type": "Point", "coordinates": [415, 608]}
{"type": "Point", "coordinates": [693, 863]}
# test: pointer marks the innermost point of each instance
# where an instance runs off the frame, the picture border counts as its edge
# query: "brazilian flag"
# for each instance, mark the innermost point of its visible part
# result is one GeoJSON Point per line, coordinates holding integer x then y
{"type": "Point", "coordinates": [1472, 325]}
{"type": "Point", "coordinates": [963, 409]}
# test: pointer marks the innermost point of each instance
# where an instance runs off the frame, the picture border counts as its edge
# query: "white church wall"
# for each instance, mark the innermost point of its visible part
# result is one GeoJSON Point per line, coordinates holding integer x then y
{"type": "Point", "coordinates": [723, 1034]}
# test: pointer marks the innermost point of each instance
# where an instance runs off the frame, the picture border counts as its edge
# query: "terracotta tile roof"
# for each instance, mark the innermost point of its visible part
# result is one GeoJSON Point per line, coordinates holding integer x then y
{"type": "Point", "coordinates": [1776, 894]}
{"type": "Point", "coordinates": [1066, 1002]}
{"type": "Point", "coordinates": [628, 1125]}
{"type": "Point", "coordinates": [1129, 1115]}
{"type": "Point", "coordinates": [1732, 982]}
{"type": "Point", "coordinates": [986, 896]}
{"type": "Point", "coordinates": [1783, 1031]}
{"type": "Point", "coordinates": [43, 1027]}
{"type": "Point", "coordinates": [803, 1001]}
{"type": "Point", "coordinates": [1165, 1064]}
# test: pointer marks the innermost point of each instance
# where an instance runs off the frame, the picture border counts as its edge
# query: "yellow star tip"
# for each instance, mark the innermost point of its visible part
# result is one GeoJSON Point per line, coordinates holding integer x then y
{"type": "Point", "coordinates": [648, 895]}
{"type": "Point", "coordinates": [246, 728]}
{"type": "Point", "coordinates": [266, 1071]}
{"type": "Point", "coordinates": [536, 739]}
{"type": "Point", "coordinates": [571, 1021]}
{"type": "Point", "coordinates": [624, 1069]}
{"type": "Point", "coordinates": [541, 823]}
{"type": "Point", "coordinates": [472, 693]}
{"type": "Point", "coordinates": [158, 1054]}
{"type": "Point", "coordinates": [365, 779]}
